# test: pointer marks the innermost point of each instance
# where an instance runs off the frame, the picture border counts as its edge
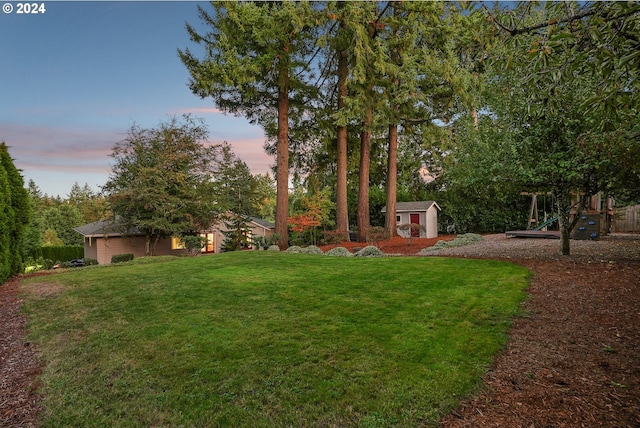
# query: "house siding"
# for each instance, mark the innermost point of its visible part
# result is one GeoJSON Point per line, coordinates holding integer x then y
{"type": "Point", "coordinates": [102, 240]}
{"type": "Point", "coordinates": [108, 247]}
{"type": "Point", "coordinates": [103, 249]}
{"type": "Point", "coordinates": [90, 249]}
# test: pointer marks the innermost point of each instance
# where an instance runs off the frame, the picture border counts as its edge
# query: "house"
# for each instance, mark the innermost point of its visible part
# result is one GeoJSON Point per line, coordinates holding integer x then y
{"type": "Point", "coordinates": [104, 239]}
{"type": "Point", "coordinates": [424, 213]}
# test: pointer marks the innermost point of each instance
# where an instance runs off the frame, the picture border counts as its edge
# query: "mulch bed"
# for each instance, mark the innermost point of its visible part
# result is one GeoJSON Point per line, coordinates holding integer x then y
{"type": "Point", "coordinates": [20, 365]}
{"type": "Point", "coordinates": [397, 245]}
{"type": "Point", "coordinates": [573, 359]}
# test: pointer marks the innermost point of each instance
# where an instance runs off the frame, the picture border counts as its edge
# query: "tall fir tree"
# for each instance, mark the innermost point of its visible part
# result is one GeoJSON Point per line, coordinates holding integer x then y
{"type": "Point", "coordinates": [256, 65]}
{"type": "Point", "coordinates": [14, 215]}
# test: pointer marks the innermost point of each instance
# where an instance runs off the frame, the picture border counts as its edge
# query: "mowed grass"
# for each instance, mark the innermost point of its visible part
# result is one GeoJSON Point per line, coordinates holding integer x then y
{"type": "Point", "coordinates": [266, 339]}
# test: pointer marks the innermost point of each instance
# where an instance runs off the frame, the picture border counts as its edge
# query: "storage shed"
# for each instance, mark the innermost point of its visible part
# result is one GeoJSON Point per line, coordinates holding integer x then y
{"type": "Point", "coordinates": [424, 213]}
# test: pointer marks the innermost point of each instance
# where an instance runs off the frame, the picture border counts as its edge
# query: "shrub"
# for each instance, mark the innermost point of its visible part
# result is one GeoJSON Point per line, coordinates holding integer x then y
{"type": "Point", "coordinates": [311, 249]}
{"type": "Point", "coordinates": [459, 241]}
{"type": "Point", "coordinates": [90, 262]}
{"type": "Point", "coordinates": [369, 251]}
{"type": "Point", "coordinates": [264, 243]}
{"type": "Point", "coordinates": [334, 236]}
{"type": "Point", "coordinates": [119, 258]}
{"type": "Point", "coordinates": [410, 229]}
{"type": "Point", "coordinates": [376, 234]}
{"type": "Point", "coordinates": [339, 252]}
{"type": "Point", "coordinates": [194, 244]}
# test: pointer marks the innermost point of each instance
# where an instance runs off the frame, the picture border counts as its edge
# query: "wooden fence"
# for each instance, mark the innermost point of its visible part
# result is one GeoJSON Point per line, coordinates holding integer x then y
{"type": "Point", "coordinates": [626, 219]}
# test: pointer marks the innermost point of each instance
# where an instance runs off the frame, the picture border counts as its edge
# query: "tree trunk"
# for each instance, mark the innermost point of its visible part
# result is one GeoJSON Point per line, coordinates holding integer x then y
{"type": "Point", "coordinates": [363, 178]}
{"type": "Point", "coordinates": [564, 206]}
{"type": "Point", "coordinates": [392, 182]}
{"type": "Point", "coordinates": [342, 214]}
{"type": "Point", "coordinates": [282, 161]}
{"type": "Point", "coordinates": [150, 244]}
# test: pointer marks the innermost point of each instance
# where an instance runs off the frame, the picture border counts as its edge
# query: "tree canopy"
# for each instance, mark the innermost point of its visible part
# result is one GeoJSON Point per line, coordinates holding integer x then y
{"type": "Point", "coordinates": [363, 97]}
{"type": "Point", "coordinates": [171, 181]}
{"type": "Point", "coordinates": [570, 126]}
{"type": "Point", "coordinates": [163, 180]}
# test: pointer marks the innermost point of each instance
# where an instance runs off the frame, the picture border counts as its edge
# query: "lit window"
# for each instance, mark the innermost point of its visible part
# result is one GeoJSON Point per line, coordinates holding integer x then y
{"type": "Point", "coordinates": [177, 244]}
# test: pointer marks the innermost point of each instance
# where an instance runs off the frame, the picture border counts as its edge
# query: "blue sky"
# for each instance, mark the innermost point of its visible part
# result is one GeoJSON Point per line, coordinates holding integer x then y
{"type": "Point", "coordinates": [74, 79]}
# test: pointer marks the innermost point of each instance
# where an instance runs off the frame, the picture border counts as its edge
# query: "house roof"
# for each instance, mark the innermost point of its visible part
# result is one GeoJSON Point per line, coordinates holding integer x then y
{"type": "Point", "coordinates": [413, 206]}
{"type": "Point", "coordinates": [103, 228]}
{"type": "Point", "coordinates": [264, 223]}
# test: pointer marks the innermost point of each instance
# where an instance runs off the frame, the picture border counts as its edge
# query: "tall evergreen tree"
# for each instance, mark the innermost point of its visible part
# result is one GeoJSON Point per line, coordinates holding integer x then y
{"type": "Point", "coordinates": [6, 222]}
{"type": "Point", "coordinates": [354, 47]}
{"type": "Point", "coordinates": [62, 219]}
{"type": "Point", "coordinates": [236, 188]}
{"type": "Point", "coordinates": [90, 204]}
{"type": "Point", "coordinates": [256, 65]}
{"type": "Point", "coordinates": [419, 78]}
{"type": "Point", "coordinates": [14, 215]}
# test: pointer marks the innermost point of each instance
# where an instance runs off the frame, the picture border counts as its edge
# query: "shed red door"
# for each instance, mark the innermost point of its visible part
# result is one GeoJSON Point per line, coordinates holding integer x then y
{"type": "Point", "coordinates": [415, 219]}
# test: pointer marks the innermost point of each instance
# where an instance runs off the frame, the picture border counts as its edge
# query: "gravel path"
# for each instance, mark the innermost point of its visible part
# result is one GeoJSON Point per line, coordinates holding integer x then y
{"type": "Point", "coordinates": [611, 248]}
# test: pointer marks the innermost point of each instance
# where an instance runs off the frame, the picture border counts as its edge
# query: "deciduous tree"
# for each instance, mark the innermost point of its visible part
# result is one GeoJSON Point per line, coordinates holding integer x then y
{"type": "Point", "coordinates": [572, 125]}
{"type": "Point", "coordinates": [163, 180]}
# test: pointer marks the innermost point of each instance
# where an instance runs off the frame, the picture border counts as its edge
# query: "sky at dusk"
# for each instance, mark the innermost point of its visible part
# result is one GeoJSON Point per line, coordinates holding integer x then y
{"type": "Point", "coordinates": [75, 78]}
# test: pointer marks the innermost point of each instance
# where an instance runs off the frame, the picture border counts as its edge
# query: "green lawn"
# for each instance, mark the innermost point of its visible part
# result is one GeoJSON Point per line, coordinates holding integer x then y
{"type": "Point", "coordinates": [267, 339]}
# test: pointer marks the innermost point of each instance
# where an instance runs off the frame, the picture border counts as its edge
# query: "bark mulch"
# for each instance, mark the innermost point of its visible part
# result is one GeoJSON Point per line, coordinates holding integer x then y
{"type": "Point", "coordinates": [573, 358]}
{"type": "Point", "coordinates": [20, 365]}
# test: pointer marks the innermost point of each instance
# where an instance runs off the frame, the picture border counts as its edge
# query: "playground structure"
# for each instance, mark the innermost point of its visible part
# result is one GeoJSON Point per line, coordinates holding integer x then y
{"type": "Point", "coordinates": [596, 217]}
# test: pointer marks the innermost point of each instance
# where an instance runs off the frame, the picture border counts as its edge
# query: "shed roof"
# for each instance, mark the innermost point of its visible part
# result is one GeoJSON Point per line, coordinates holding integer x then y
{"type": "Point", "coordinates": [413, 206]}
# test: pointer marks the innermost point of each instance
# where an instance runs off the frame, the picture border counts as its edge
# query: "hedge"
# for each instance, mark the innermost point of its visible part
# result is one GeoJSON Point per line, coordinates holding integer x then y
{"type": "Point", "coordinates": [61, 254]}
{"type": "Point", "coordinates": [119, 258]}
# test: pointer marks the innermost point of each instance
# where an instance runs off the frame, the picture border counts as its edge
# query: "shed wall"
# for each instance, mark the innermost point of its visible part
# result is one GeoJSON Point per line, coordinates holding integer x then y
{"type": "Point", "coordinates": [432, 222]}
{"type": "Point", "coordinates": [428, 219]}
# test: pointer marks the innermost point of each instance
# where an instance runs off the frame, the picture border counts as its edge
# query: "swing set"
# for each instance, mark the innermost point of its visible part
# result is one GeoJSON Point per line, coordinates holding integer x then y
{"type": "Point", "coordinates": [588, 226]}
{"type": "Point", "coordinates": [534, 222]}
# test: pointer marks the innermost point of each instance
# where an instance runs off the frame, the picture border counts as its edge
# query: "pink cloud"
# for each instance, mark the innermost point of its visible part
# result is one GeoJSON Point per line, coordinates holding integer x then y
{"type": "Point", "coordinates": [251, 151]}
{"type": "Point", "coordinates": [208, 110]}
{"type": "Point", "coordinates": [57, 157]}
